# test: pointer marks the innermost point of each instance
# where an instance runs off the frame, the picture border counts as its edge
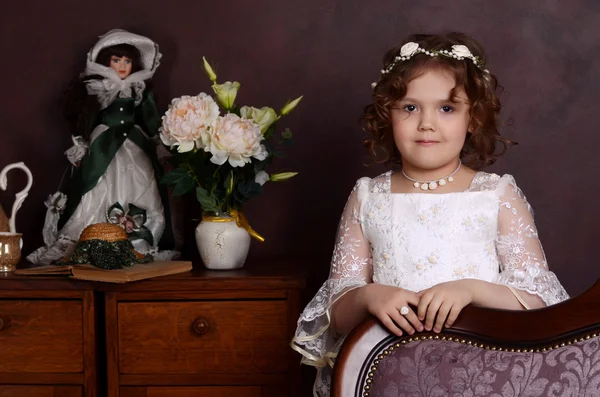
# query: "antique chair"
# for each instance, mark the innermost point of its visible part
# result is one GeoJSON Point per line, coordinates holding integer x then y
{"type": "Point", "coordinates": [554, 351]}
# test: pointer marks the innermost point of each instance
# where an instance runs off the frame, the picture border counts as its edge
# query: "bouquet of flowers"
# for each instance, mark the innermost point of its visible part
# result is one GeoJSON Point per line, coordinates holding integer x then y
{"type": "Point", "coordinates": [221, 150]}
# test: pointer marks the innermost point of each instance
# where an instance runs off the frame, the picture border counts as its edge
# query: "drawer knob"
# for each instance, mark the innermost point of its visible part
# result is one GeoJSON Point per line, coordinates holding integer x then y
{"type": "Point", "coordinates": [1, 323]}
{"type": "Point", "coordinates": [201, 325]}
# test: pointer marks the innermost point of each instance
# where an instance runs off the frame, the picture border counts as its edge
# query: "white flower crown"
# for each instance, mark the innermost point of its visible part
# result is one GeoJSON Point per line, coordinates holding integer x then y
{"type": "Point", "coordinates": [411, 48]}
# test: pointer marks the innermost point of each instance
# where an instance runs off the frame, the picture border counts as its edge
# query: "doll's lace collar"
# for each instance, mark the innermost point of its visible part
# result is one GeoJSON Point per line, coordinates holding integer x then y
{"type": "Point", "coordinates": [112, 86]}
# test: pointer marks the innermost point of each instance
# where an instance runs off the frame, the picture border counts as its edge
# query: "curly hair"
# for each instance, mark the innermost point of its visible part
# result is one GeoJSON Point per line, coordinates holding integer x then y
{"type": "Point", "coordinates": [480, 86]}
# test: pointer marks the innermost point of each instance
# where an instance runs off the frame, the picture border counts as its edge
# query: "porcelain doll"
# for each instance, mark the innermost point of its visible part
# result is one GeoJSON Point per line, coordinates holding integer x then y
{"type": "Point", "coordinates": [114, 122]}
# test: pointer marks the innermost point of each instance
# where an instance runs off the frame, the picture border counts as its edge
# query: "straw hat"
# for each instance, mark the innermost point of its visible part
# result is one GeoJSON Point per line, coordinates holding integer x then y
{"type": "Point", "coordinates": [107, 246]}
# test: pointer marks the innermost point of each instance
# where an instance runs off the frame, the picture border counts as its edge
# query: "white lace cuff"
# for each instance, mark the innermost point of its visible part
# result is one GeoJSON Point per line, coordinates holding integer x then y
{"type": "Point", "coordinates": [317, 343]}
{"type": "Point", "coordinates": [536, 280]}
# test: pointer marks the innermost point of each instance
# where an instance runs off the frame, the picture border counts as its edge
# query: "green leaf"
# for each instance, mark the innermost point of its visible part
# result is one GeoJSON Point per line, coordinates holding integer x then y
{"type": "Point", "coordinates": [286, 137]}
{"type": "Point", "coordinates": [235, 110]}
{"type": "Point", "coordinates": [245, 191]}
{"type": "Point", "coordinates": [287, 134]}
{"type": "Point", "coordinates": [270, 131]}
{"type": "Point", "coordinates": [238, 198]}
{"type": "Point", "coordinates": [249, 189]}
{"type": "Point", "coordinates": [184, 186]}
{"type": "Point", "coordinates": [172, 177]}
{"type": "Point", "coordinates": [207, 202]}
{"type": "Point", "coordinates": [272, 151]}
{"type": "Point", "coordinates": [181, 181]}
{"type": "Point", "coordinates": [260, 166]}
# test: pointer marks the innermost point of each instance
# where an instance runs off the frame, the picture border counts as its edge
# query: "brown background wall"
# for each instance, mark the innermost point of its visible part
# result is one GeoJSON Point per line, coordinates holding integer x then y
{"type": "Point", "coordinates": [545, 54]}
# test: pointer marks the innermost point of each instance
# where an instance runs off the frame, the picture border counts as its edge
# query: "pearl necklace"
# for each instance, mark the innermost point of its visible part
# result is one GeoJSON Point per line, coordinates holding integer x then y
{"type": "Point", "coordinates": [432, 185]}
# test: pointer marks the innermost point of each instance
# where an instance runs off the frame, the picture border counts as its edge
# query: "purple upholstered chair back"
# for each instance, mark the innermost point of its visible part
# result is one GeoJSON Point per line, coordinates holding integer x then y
{"type": "Point", "coordinates": [553, 351]}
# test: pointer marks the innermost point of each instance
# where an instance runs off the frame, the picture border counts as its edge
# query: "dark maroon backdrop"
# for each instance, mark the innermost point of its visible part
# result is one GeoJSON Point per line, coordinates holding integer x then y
{"type": "Point", "coordinates": [544, 53]}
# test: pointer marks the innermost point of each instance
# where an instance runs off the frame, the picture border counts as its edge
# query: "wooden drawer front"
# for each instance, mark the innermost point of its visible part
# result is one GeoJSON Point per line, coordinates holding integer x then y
{"type": "Point", "coordinates": [40, 391]}
{"type": "Point", "coordinates": [41, 336]}
{"type": "Point", "coordinates": [208, 391]}
{"type": "Point", "coordinates": [207, 337]}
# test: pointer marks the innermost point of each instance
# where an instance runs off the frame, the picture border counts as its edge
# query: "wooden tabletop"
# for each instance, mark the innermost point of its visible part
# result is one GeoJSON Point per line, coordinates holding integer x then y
{"type": "Point", "coordinates": [258, 273]}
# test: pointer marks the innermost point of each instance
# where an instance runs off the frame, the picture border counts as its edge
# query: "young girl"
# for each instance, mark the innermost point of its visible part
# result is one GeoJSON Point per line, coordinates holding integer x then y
{"type": "Point", "coordinates": [438, 234]}
{"type": "Point", "coordinates": [114, 120]}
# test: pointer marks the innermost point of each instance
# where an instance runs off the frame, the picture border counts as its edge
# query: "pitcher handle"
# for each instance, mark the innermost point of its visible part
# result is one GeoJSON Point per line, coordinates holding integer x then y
{"type": "Point", "coordinates": [19, 197]}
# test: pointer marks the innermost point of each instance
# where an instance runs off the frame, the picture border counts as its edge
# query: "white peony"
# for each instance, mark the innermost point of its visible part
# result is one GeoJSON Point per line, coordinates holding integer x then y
{"type": "Point", "coordinates": [409, 49]}
{"type": "Point", "coordinates": [236, 140]}
{"type": "Point", "coordinates": [461, 51]}
{"type": "Point", "coordinates": [188, 121]}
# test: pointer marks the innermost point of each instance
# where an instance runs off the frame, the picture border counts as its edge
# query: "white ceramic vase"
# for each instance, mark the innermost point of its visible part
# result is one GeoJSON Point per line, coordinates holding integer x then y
{"type": "Point", "coordinates": [222, 244]}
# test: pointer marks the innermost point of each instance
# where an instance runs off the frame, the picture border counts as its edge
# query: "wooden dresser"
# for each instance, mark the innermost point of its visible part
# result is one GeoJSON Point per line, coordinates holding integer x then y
{"type": "Point", "coordinates": [197, 334]}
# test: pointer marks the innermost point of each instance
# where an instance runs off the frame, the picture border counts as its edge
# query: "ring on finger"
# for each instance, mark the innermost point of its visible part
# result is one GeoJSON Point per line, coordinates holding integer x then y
{"type": "Point", "coordinates": [404, 310]}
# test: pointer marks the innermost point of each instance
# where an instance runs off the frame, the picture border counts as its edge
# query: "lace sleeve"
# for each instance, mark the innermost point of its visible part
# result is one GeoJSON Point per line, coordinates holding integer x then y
{"type": "Point", "coordinates": [523, 263]}
{"type": "Point", "coordinates": [350, 268]}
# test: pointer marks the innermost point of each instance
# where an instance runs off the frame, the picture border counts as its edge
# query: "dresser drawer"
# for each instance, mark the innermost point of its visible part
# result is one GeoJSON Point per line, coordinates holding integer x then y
{"type": "Point", "coordinates": [40, 391]}
{"type": "Point", "coordinates": [41, 336]}
{"type": "Point", "coordinates": [231, 337]}
{"type": "Point", "coordinates": [200, 391]}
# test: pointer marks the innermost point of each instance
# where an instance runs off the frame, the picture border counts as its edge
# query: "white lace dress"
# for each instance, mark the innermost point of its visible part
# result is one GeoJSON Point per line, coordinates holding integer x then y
{"type": "Point", "coordinates": [417, 240]}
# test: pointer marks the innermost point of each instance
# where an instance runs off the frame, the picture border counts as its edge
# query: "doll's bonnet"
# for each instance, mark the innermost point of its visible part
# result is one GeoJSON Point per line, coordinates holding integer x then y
{"type": "Point", "coordinates": [150, 56]}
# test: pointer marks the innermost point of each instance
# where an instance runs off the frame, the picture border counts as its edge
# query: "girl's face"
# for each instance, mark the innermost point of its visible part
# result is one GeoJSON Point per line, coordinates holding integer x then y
{"type": "Point", "coordinates": [429, 128]}
{"type": "Point", "coordinates": [122, 65]}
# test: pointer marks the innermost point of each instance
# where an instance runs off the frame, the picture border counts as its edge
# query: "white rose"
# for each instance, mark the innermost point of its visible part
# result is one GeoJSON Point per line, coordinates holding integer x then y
{"type": "Point", "coordinates": [264, 117]}
{"type": "Point", "coordinates": [236, 140]}
{"type": "Point", "coordinates": [409, 49]}
{"type": "Point", "coordinates": [226, 93]}
{"type": "Point", "coordinates": [187, 122]}
{"type": "Point", "coordinates": [461, 51]}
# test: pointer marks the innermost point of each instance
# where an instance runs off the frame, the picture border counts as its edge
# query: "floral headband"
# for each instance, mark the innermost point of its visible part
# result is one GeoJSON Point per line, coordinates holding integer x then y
{"type": "Point", "coordinates": [411, 48]}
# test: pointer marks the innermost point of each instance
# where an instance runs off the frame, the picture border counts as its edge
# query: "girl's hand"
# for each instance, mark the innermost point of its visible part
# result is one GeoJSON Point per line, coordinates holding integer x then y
{"type": "Point", "coordinates": [442, 303]}
{"type": "Point", "coordinates": [385, 302]}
